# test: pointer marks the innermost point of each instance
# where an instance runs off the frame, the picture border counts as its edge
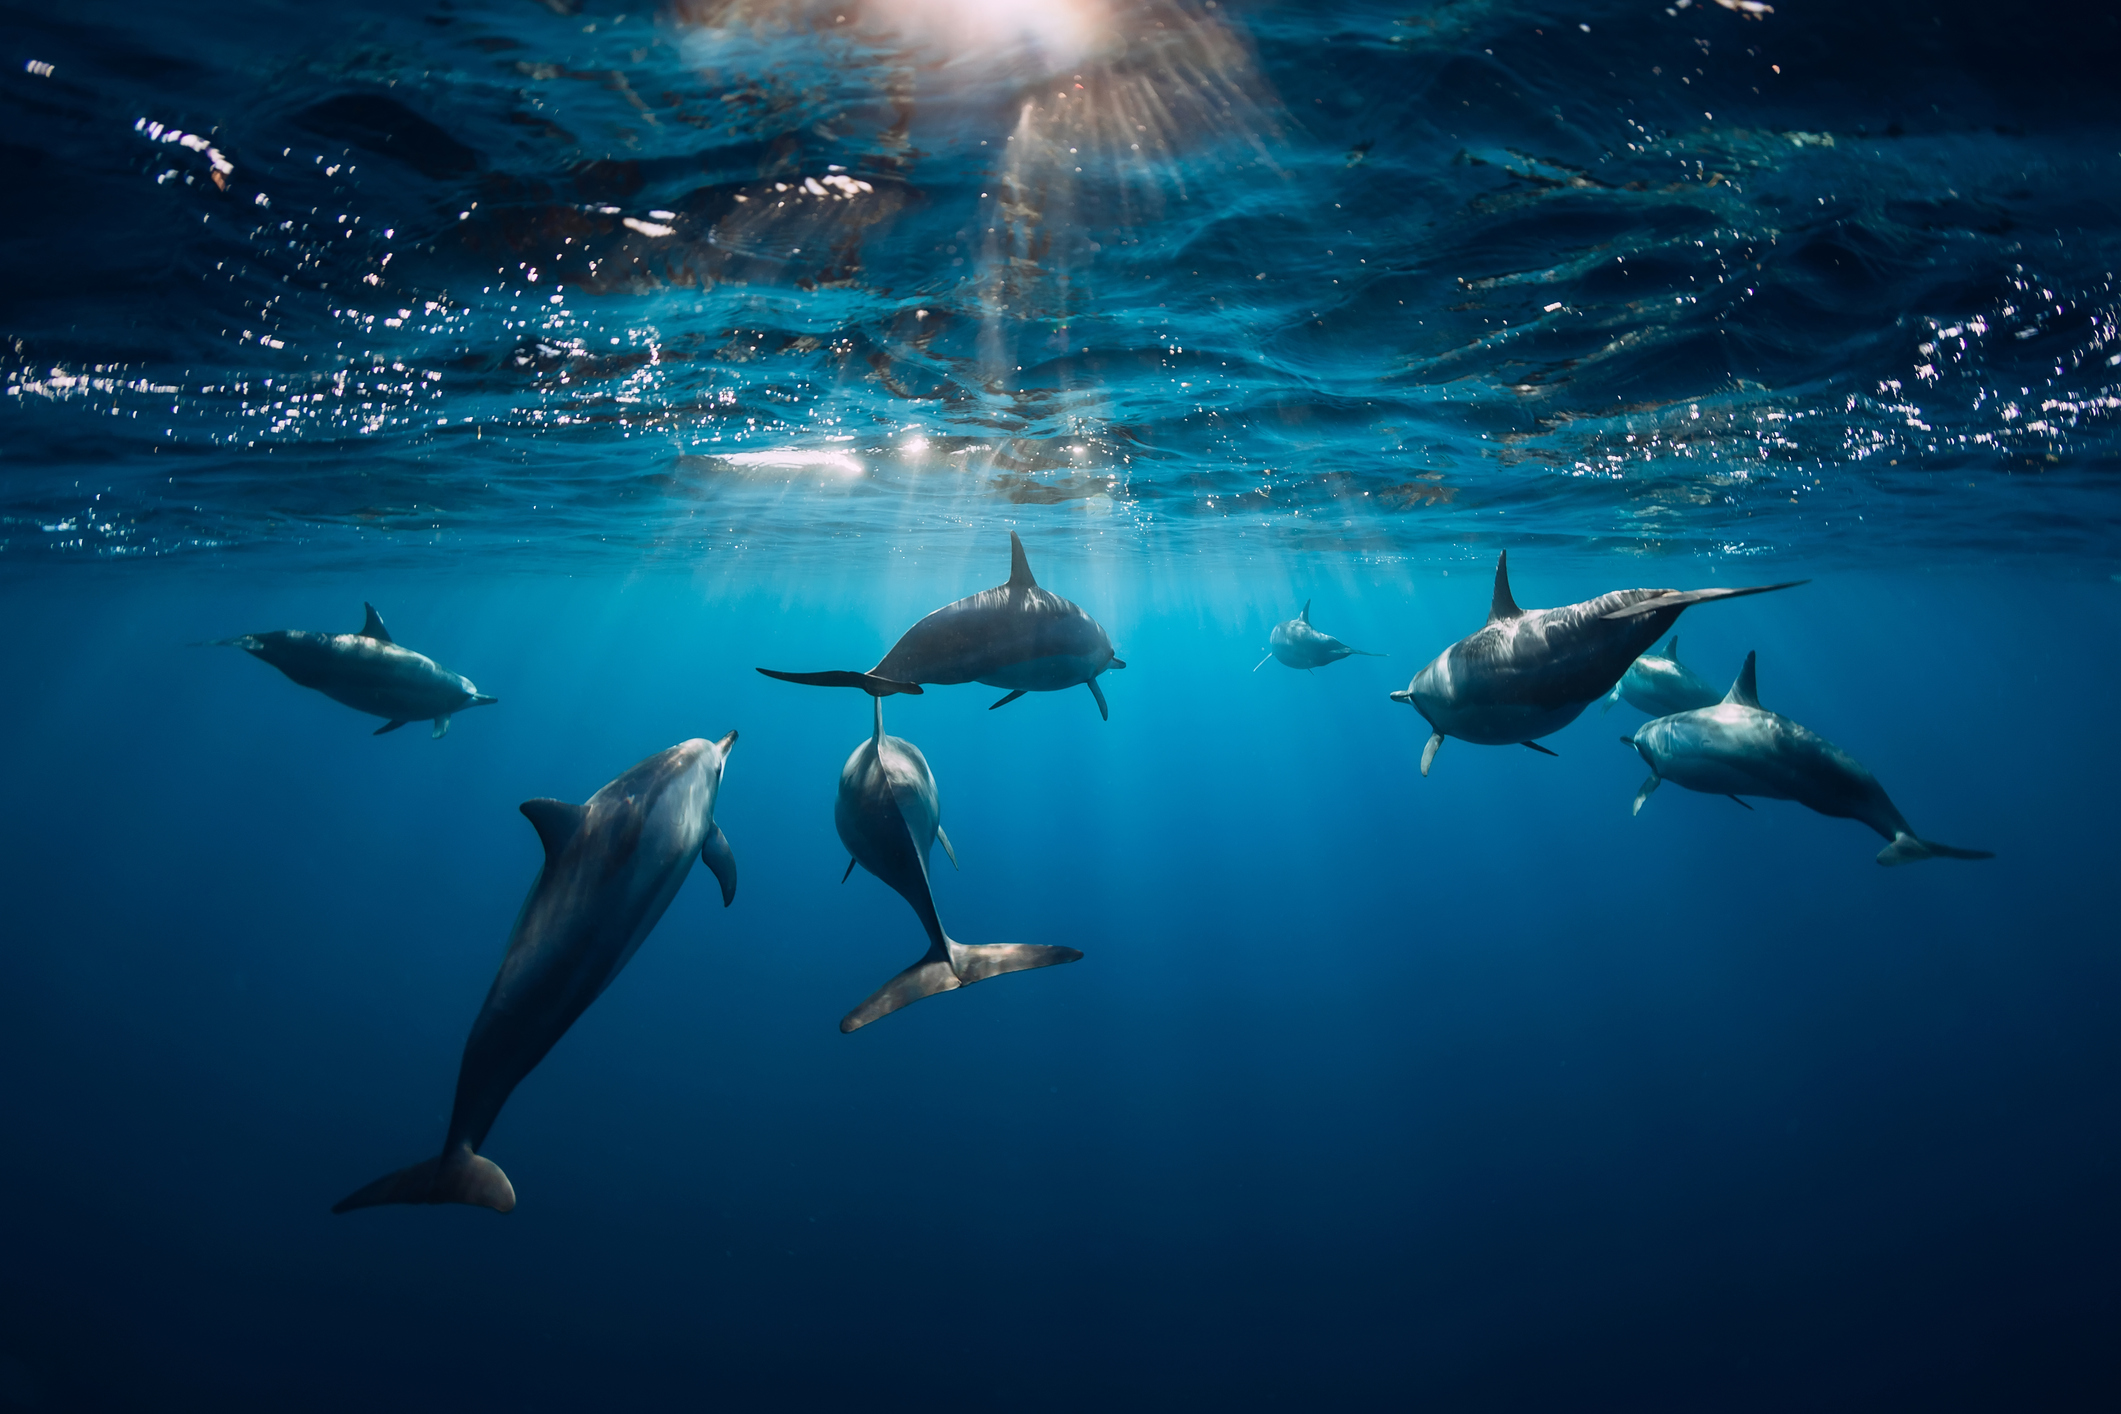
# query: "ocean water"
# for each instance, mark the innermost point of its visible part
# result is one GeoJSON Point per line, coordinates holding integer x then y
{"type": "Point", "coordinates": [613, 351]}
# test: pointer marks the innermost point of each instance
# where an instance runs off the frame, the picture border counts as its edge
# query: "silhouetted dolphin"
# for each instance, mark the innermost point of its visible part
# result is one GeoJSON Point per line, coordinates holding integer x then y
{"type": "Point", "coordinates": [1740, 748]}
{"type": "Point", "coordinates": [888, 816]}
{"type": "Point", "coordinates": [1661, 685]}
{"type": "Point", "coordinates": [366, 671]}
{"type": "Point", "coordinates": [1530, 672]}
{"type": "Point", "coordinates": [1016, 635]}
{"type": "Point", "coordinates": [1299, 645]}
{"type": "Point", "coordinates": [611, 867]}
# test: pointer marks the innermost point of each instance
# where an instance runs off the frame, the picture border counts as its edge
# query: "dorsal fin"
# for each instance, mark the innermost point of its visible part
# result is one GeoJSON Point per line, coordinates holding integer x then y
{"type": "Point", "coordinates": [1306, 614]}
{"type": "Point", "coordinates": [556, 822]}
{"type": "Point", "coordinates": [374, 627]}
{"type": "Point", "coordinates": [1671, 650]}
{"type": "Point", "coordinates": [1503, 607]}
{"type": "Point", "coordinates": [1019, 567]}
{"type": "Point", "coordinates": [1745, 692]}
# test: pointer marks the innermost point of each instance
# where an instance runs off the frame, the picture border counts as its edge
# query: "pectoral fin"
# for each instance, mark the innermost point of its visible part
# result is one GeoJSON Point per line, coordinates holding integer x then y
{"type": "Point", "coordinates": [441, 728]}
{"type": "Point", "coordinates": [716, 855]}
{"type": "Point", "coordinates": [944, 840]}
{"type": "Point", "coordinates": [1538, 748]}
{"type": "Point", "coordinates": [1428, 753]}
{"type": "Point", "coordinates": [1098, 693]}
{"type": "Point", "coordinates": [1644, 794]}
{"type": "Point", "coordinates": [1009, 699]}
{"type": "Point", "coordinates": [390, 726]}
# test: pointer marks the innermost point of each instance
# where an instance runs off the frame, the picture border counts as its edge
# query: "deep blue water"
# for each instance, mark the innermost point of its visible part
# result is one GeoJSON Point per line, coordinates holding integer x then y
{"type": "Point", "coordinates": [1370, 1091]}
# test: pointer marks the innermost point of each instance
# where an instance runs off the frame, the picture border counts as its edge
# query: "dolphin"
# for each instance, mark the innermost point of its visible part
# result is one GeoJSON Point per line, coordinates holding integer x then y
{"type": "Point", "coordinates": [1015, 635]}
{"type": "Point", "coordinates": [1661, 685]}
{"type": "Point", "coordinates": [1299, 645]}
{"type": "Point", "coordinates": [888, 816]}
{"type": "Point", "coordinates": [1531, 672]}
{"type": "Point", "coordinates": [366, 671]}
{"type": "Point", "coordinates": [612, 866]}
{"type": "Point", "coordinates": [1739, 748]}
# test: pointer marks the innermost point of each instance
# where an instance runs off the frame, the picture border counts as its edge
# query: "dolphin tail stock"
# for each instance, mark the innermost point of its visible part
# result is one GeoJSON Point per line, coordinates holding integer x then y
{"type": "Point", "coordinates": [868, 682]}
{"type": "Point", "coordinates": [1906, 849]}
{"type": "Point", "coordinates": [459, 1176]}
{"type": "Point", "coordinates": [1680, 598]}
{"type": "Point", "coordinates": [948, 967]}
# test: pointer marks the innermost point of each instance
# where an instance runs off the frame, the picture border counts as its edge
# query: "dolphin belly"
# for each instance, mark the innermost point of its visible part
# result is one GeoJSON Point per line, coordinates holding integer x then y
{"type": "Point", "coordinates": [1048, 674]}
{"type": "Point", "coordinates": [1495, 723]}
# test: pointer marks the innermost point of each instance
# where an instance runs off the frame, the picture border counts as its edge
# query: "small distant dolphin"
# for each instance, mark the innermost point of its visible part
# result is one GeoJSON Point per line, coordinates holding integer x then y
{"type": "Point", "coordinates": [1298, 645]}
{"type": "Point", "coordinates": [1531, 672]}
{"type": "Point", "coordinates": [1739, 748]}
{"type": "Point", "coordinates": [366, 671]}
{"type": "Point", "coordinates": [1661, 685]}
{"type": "Point", "coordinates": [1016, 635]}
{"type": "Point", "coordinates": [888, 815]}
{"type": "Point", "coordinates": [611, 867]}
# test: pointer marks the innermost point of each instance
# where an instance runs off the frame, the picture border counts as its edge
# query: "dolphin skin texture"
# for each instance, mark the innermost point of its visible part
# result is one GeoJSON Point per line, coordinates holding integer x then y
{"type": "Point", "coordinates": [1296, 644]}
{"type": "Point", "coordinates": [611, 867]}
{"type": "Point", "coordinates": [1659, 684]}
{"type": "Point", "coordinates": [367, 672]}
{"type": "Point", "coordinates": [1016, 635]}
{"type": "Point", "coordinates": [889, 815]}
{"type": "Point", "coordinates": [1739, 748]}
{"type": "Point", "coordinates": [1531, 672]}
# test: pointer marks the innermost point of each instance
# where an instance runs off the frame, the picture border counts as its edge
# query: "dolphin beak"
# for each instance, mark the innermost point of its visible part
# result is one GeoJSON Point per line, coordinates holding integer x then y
{"type": "Point", "coordinates": [480, 699]}
{"type": "Point", "coordinates": [1403, 695]}
{"type": "Point", "coordinates": [1117, 663]}
{"type": "Point", "coordinates": [726, 742]}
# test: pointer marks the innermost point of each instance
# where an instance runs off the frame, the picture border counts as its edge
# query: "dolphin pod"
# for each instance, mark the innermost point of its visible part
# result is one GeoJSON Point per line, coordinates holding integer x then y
{"type": "Point", "coordinates": [1016, 635]}
{"type": "Point", "coordinates": [1530, 672]}
{"type": "Point", "coordinates": [1739, 748]}
{"type": "Point", "coordinates": [1659, 684]}
{"type": "Point", "coordinates": [1296, 644]}
{"type": "Point", "coordinates": [366, 671]}
{"type": "Point", "coordinates": [611, 868]}
{"type": "Point", "coordinates": [889, 815]}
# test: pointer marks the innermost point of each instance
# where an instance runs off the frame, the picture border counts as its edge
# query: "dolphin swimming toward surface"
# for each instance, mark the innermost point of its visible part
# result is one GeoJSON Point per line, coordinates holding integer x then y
{"type": "Point", "coordinates": [1015, 635]}
{"type": "Point", "coordinates": [1739, 748]}
{"type": "Point", "coordinates": [1299, 645]}
{"type": "Point", "coordinates": [888, 815]}
{"type": "Point", "coordinates": [611, 867]}
{"type": "Point", "coordinates": [1531, 672]}
{"type": "Point", "coordinates": [1660, 685]}
{"type": "Point", "coordinates": [366, 671]}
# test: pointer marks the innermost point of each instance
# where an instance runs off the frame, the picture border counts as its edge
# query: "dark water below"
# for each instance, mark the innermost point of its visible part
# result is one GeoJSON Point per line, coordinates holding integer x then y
{"type": "Point", "coordinates": [1370, 1091]}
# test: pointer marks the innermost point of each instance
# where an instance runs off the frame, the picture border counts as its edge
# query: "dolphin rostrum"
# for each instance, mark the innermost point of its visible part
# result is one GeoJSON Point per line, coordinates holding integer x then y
{"type": "Point", "coordinates": [611, 867]}
{"type": "Point", "coordinates": [1660, 685]}
{"type": "Point", "coordinates": [1015, 635]}
{"type": "Point", "coordinates": [367, 672]}
{"type": "Point", "coordinates": [1530, 672]}
{"type": "Point", "coordinates": [1739, 748]}
{"type": "Point", "coordinates": [888, 815]}
{"type": "Point", "coordinates": [1298, 645]}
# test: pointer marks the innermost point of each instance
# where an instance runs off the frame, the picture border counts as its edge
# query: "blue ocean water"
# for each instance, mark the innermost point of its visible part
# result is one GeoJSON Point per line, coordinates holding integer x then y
{"type": "Point", "coordinates": [612, 352]}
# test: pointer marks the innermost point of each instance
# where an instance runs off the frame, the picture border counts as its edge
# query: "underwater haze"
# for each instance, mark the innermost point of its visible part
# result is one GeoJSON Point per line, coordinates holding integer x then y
{"type": "Point", "coordinates": [611, 352]}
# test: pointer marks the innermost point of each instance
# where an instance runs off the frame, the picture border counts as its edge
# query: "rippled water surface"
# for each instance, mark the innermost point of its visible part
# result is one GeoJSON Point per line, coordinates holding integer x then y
{"type": "Point", "coordinates": [615, 282]}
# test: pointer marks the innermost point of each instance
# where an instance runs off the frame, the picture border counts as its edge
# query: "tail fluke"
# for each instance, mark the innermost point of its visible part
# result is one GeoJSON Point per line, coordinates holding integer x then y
{"type": "Point", "coordinates": [960, 965]}
{"type": "Point", "coordinates": [1906, 849]}
{"type": "Point", "coordinates": [867, 682]}
{"type": "Point", "coordinates": [1680, 598]}
{"type": "Point", "coordinates": [457, 1177]}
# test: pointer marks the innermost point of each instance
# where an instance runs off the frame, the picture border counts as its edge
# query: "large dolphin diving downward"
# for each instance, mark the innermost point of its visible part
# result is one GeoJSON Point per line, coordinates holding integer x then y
{"type": "Point", "coordinates": [1531, 672]}
{"type": "Point", "coordinates": [1659, 684]}
{"type": "Point", "coordinates": [367, 672]}
{"type": "Point", "coordinates": [1016, 636]}
{"type": "Point", "coordinates": [889, 815]}
{"type": "Point", "coordinates": [1295, 644]}
{"type": "Point", "coordinates": [611, 867]}
{"type": "Point", "coordinates": [1739, 748]}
